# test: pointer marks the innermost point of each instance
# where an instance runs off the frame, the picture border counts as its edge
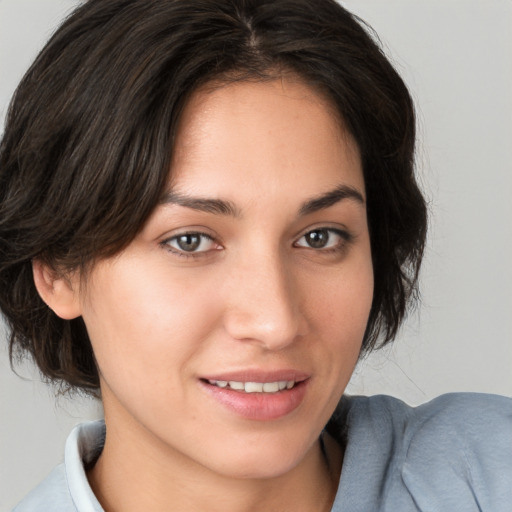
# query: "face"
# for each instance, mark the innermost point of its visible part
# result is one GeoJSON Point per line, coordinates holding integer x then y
{"type": "Point", "coordinates": [226, 332]}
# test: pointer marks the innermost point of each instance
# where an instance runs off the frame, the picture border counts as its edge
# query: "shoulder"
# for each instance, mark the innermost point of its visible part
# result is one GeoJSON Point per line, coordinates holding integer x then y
{"type": "Point", "coordinates": [453, 453]}
{"type": "Point", "coordinates": [460, 443]}
{"type": "Point", "coordinates": [447, 416]}
{"type": "Point", "coordinates": [66, 488]}
{"type": "Point", "coordinates": [468, 427]}
{"type": "Point", "coordinates": [51, 494]}
{"type": "Point", "coordinates": [469, 421]}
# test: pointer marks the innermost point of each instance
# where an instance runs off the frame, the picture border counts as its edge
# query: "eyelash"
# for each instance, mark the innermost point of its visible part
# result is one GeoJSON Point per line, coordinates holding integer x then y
{"type": "Point", "coordinates": [187, 254]}
{"type": "Point", "coordinates": [345, 239]}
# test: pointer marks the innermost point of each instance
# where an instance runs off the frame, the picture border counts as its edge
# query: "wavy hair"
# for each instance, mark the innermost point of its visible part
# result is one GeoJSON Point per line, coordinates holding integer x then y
{"type": "Point", "coordinates": [89, 138]}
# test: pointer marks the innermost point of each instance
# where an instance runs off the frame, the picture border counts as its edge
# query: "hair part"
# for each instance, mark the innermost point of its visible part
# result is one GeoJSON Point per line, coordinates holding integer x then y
{"type": "Point", "coordinates": [89, 137]}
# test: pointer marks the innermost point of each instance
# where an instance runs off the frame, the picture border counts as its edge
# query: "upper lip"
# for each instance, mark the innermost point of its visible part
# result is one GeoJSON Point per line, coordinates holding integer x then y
{"type": "Point", "coordinates": [259, 375]}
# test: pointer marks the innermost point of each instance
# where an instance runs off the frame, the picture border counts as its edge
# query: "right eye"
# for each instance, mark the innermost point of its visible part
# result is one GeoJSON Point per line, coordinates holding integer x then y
{"type": "Point", "coordinates": [190, 244]}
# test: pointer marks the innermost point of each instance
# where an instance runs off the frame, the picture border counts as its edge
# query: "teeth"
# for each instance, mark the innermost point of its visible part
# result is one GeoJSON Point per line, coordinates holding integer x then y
{"type": "Point", "coordinates": [271, 387]}
{"type": "Point", "coordinates": [255, 387]}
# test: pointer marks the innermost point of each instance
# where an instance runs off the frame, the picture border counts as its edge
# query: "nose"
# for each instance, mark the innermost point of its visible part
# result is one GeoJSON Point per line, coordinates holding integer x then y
{"type": "Point", "coordinates": [263, 303]}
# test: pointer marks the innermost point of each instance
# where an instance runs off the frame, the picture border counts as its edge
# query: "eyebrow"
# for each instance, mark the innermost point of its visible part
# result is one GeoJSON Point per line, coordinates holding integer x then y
{"type": "Point", "coordinates": [331, 198]}
{"type": "Point", "coordinates": [217, 206]}
{"type": "Point", "coordinates": [223, 207]}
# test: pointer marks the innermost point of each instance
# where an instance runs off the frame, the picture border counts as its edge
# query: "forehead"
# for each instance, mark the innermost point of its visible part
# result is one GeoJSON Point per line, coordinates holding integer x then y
{"type": "Point", "coordinates": [250, 136]}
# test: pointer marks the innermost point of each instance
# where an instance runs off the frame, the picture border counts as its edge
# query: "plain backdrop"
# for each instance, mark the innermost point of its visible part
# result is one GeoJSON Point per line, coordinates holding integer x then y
{"type": "Point", "coordinates": [456, 56]}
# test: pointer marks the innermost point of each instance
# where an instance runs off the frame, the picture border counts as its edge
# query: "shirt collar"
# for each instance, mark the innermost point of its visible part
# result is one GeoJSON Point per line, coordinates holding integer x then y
{"type": "Point", "coordinates": [83, 447]}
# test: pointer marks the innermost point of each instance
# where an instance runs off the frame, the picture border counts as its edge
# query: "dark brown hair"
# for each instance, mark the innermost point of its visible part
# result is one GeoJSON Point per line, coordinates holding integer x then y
{"type": "Point", "coordinates": [89, 134]}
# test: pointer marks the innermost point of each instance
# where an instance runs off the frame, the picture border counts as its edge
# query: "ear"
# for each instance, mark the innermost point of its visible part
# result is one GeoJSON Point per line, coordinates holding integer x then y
{"type": "Point", "coordinates": [59, 292]}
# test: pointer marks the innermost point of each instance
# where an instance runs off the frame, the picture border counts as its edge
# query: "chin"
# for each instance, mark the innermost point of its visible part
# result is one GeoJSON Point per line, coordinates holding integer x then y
{"type": "Point", "coordinates": [258, 469]}
{"type": "Point", "coordinates": [260, 458]}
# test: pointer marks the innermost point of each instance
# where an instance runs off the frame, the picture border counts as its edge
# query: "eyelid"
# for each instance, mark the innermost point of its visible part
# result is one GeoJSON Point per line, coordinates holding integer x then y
{"type": "Point", "coordinates": [165, 243]}
{"type": "Point", "coordinates": [344, 234]}
{"type": "Point", "coordinates": [339, 229]}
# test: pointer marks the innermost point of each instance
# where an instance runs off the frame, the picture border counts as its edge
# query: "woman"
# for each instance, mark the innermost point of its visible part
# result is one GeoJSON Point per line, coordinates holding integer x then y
{"type": "Point", "coordinates": [208, 213]}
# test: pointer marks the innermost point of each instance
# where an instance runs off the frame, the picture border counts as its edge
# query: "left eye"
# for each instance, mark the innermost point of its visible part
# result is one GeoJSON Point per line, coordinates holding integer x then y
{"type": "Point", "coordinates": [191, 242]}
{"type": "Point", "coordinates": [324, 238]}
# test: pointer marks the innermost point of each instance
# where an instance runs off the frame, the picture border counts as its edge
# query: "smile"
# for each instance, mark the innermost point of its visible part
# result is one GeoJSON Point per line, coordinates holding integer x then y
{"type": "Point", "coordinates": [258, 396]}
{"type": "Point", "coordinates": [254, 387]}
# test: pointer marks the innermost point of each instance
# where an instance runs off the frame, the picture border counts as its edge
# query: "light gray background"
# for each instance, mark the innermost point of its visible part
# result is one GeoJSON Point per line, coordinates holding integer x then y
{"type": "Point", "coordinates": [456, 56]}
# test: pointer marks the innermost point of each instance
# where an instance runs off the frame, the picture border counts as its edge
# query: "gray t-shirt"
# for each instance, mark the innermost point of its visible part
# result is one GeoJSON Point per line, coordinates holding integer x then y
{"type": "Point", "coordinates": [451, 454]}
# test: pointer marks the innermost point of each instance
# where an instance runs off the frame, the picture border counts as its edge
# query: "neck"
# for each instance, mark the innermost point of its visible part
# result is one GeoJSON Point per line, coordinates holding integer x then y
{"type": "Point", "coordinates": [136, 472]}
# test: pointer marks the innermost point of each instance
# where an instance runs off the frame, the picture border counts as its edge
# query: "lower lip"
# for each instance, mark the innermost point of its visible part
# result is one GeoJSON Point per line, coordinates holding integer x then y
{"type": "Point", "coordinates": [259, 406]}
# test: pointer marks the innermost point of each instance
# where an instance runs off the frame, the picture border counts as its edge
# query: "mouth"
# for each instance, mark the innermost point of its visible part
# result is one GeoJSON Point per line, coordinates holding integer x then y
{"type": "Point", "coordinates": [254, 387]}
{"type": "Point", "coordinates": [261, 396]}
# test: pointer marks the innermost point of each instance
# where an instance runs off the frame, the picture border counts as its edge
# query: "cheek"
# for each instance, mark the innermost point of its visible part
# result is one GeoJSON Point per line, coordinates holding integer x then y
{"type": "Point", "coordinates": [145, 324]}
{"type": "Point", "coordinates": [340, 306]}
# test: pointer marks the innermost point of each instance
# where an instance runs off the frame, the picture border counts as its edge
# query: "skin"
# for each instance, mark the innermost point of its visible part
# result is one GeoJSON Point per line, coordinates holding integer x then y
{"type": "Point", "coordinates": [254, 296]}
